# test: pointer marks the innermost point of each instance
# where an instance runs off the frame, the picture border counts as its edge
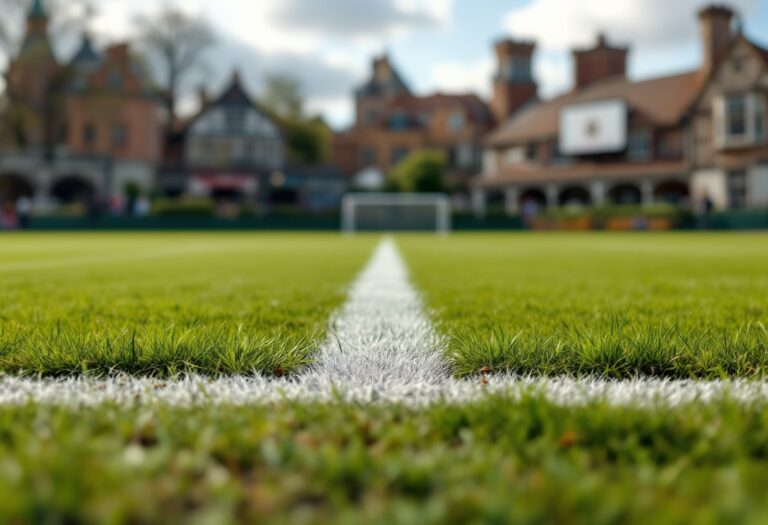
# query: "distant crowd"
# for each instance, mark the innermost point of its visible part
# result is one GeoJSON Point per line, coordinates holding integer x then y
{"type": "Point", "coordinates": [16, 215]}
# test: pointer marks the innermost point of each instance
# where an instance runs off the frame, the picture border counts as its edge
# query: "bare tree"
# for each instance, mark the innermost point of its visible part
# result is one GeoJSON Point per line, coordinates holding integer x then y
{"type": "Point", "coordinates": [283, 97]}
{"type": "Point", "coordinates": [176, 43]}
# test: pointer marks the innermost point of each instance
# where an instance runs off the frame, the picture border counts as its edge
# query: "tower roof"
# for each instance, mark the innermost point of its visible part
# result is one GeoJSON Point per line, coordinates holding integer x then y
{"type": "Point", "coordinates": [384, 80]}
{"type": "Point", "coordinates": [86, 55]}
{"type": "Point", "coordinates": [37, 10]}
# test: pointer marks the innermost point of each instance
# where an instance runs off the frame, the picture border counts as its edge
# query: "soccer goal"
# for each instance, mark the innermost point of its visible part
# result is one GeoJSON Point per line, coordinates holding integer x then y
{"type": "Point", "coordinates": [367, 212]}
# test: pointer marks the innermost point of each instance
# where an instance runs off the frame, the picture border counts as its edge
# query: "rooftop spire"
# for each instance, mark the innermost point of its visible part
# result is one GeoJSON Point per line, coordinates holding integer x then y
{"type": "Point", "coordinates": [37, 10]}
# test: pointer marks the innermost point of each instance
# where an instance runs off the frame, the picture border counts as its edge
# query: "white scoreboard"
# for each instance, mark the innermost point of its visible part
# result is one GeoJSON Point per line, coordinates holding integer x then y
{"type": "Point", "coordinates": [594, 127]}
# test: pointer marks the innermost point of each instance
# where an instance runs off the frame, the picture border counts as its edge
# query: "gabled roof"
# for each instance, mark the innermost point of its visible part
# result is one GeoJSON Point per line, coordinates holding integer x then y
{"type": "Point", "coordinates": [375, 86]}
{"type": "Point", "coordinates": [761, 51]}
{"type": "Point", "coordinates": [86, 56]}
{"type": "Point", "coordinates": [234, 94]}
{"type": "Point", "coordinates": [664, 101]}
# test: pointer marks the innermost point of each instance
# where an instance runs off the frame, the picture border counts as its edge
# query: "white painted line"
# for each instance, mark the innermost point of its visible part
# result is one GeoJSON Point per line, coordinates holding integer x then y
{"type": "Point", "coordinates": [243, 391]}
{"type": "Point", "coordinates": [382, 335]}
{"type": "Point", "coordinates": [382, 349]}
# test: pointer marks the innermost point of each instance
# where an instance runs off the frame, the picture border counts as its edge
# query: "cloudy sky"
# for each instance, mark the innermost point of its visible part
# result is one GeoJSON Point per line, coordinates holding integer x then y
{"type": "Point", "coordinates": [437, 44]}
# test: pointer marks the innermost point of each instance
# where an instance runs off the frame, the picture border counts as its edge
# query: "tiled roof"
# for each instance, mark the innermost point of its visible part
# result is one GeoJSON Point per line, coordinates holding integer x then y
{"type": "Point", "coordinates": [414, 107]}
{"type": "Point", "coordinates": [662, 100]}
{"type": "Point", "coordinates": [234, 95]}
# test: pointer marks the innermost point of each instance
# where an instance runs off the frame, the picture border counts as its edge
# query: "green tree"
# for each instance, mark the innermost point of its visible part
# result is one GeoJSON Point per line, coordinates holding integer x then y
{"type": "Point", "coordinates": [421, 172]}
{"type": "Point", "coordinates": [308, 139]}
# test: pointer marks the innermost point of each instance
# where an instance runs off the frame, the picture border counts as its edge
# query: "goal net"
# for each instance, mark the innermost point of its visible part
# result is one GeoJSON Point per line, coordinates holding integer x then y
{"type": "Point", "coordinates": [366, 212]}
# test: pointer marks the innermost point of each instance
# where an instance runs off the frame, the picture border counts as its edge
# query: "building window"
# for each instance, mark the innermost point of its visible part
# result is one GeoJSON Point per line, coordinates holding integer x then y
{"type": "Point", "coordinates": [456, 121]}
{"type": "Point", "coordinates": [556, 156]}
{"type": "Point", "coordinates": [115, 80]}
{"type": "Point", "coordinates": [398, 154]}
{"type": "Point", "coordinates": [759, 118]}
{"type": "Point", "coordinates": [516, 155]}
{"type": "Point", "coordinates": [737, 189]}
{"type": "Point", "coordinates": [207, 151]}
{"type": "Point", "coordinates": [119, 136]}
{"type": "Point", "coordinates": [234, 120]}
{"type": "Point", "coordinates": [89, 134]}
{"type": "Point", "coordinates": [736, 115]}
{"type": "Point", "coordinates": [639, 145]}
{"type": "Point", "coordinates": [398, 121]}
{"type": "Point", "coordinates": [517, 69]}
{"type": "Point", "coordinates": [465, 155]}
{"type": "Point", "coordinates": [368, 157]}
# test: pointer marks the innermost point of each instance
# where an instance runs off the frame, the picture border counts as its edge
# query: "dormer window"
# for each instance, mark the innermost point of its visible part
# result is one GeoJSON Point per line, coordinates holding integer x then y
{"type": "Point", "coordinates": [736, 115]}
{"type": "Point", "coordinates": [456, 121]}
{"type": "Point", "coordinates": [639, 148]}
{"type": "Point", "coordinates": [740, 119]}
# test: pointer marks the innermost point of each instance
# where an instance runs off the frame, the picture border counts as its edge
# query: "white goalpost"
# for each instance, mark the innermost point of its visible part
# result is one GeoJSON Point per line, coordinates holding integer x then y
{"type": "Point", "coordinates": [365, 212]}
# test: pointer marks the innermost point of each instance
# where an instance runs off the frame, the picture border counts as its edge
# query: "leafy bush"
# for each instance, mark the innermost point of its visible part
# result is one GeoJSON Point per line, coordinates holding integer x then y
{"type": "Point", "coordinates": [601, 214]}
{"type": "Point", "coordinates": [421, 172]}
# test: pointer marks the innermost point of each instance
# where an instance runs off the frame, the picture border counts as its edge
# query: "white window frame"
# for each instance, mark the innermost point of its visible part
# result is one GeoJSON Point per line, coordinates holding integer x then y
{"type": "Point", "coordinates": [754, 110]}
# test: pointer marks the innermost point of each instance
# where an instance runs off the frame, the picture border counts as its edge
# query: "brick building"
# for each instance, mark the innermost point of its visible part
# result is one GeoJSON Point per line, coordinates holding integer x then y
{"type": "Point", "coordinates": [686, 138]}
{"type": "Point", "coordinates": [80, 130]}
{"type": "Point", "coordinates": [391, 121]}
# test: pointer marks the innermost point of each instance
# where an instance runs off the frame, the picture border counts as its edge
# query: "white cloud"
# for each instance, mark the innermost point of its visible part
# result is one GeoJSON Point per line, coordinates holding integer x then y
{"type": "Point", "coordinates": [327, 44]}
{"type": "Point", "coordinates": [458, 77]}
{"type": "Point", "coordinates": [563, 24]}
{"type": "Point", "coordinates": [658, 32]}
{"type": "Point", "coordinates": [553, 74]}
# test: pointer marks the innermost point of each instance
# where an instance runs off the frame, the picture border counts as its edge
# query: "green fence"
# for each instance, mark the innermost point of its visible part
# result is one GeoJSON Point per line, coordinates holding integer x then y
{"type": "Point", "coordinates": [734, 220]}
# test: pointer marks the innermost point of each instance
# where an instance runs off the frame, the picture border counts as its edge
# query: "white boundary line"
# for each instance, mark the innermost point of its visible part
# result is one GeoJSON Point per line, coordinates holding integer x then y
{"type": "Point", "coordinates": [382, 349]}
{"type": "Point", "coordinates": [244, 391]}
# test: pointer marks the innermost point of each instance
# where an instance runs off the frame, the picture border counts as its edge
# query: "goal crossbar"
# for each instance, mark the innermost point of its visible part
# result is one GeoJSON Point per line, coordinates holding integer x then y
{"type": "Point", "coordinates": [353, 201]}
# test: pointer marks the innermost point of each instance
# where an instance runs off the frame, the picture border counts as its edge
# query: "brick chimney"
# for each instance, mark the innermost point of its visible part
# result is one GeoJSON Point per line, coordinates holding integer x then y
{"type": "Point", "coordinates": [598, 63]}
{"type": "Point", "coordinates": [513, 83]}
{"type": "Point", "coordinates": [716, 26]}
{"type": "Point", "coordinates": [118, 53]}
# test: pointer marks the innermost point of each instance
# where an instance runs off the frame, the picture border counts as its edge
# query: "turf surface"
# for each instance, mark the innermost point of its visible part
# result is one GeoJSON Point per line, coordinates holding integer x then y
{"type": "Point", "coordinates": [671, 305]}
{"type": "Point", "coordinates": [163, 304]}
{"type": "Point", "coordinates": [497, 461]}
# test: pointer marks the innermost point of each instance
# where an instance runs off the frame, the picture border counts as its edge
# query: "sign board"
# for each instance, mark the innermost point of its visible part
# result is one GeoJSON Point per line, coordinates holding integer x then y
{"type": "Point", "coordinates": [594, 127]}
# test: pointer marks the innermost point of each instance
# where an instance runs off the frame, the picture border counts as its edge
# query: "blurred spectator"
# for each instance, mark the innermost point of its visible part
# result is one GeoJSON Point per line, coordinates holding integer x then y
{"type": "Point", "coordinates": [8, 219]}
{"type": "Point", "coordinates": [23, 211]}
{"type": "Point", "coordinates": [706, 206]}
{"type": "Point", "coordinates": [142, 207]}
{"type": "Point", "coordinates": [116, 206]}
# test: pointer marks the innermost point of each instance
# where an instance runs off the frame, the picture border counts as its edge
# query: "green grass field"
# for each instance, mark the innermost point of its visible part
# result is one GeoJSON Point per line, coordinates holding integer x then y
{"type": "Point", "coordinates": [672, 305]}
{"type": "Point", "coordinates": [162, 304]}
{"type": "Point", "coordinates": [493, 462]}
